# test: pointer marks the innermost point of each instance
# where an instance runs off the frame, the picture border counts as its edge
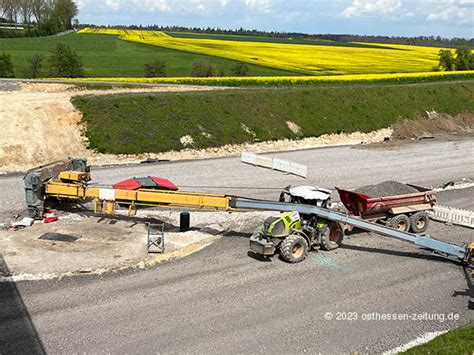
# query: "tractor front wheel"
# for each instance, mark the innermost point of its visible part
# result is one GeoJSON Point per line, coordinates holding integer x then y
{"type": "Point", "coordinates": [294, 248]}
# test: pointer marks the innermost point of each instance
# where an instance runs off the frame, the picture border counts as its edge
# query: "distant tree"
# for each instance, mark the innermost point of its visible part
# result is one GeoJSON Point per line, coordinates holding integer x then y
{"type": "Point", "coordinates": [35, 66]}
{"type": "Point", "coordinates": [464, 59]}
{"type": "Point", "coordinates": [65, 11]}
{"type": "Point", "coordinates": [446, 59]}
{"type": "Point", "coordinates": [155, 69]}
{"type": "Point", "coordinates": [6, 66]}
{"type": "Point", "coordinates": [202, 68]}
{"type": "Point", "coordinates": [65, 63]}
{"type": "Point", "coordinates": [10, 9]}
{"type": "Point", "coordinates": [240, 69]}
{"type": "Point", "coordinates": [40, 10]}
{"type": "Point", "coordinates": [25, 8]}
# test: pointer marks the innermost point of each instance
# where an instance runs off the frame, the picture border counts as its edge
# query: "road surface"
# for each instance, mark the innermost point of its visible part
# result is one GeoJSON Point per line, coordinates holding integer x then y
{"type": "Point", "coordinates": [222, 299]}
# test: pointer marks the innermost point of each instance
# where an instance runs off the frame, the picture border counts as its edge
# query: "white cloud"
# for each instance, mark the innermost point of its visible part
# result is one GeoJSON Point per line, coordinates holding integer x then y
{"type": "Point", "coordinates": [371, 7]}
{"type": "Point", "coordinates": [113, 4]}
{"type": "Point", "coordinates": [455, 14]}
{"type": "Point", "coordinates": [259, 5]}
{"type": "Point", "coordinates": [154, 5]}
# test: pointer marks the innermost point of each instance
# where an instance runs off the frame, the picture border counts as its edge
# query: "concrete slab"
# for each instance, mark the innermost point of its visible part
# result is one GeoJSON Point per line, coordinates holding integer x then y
{"type": "Point", "coordinates": [99, 244]}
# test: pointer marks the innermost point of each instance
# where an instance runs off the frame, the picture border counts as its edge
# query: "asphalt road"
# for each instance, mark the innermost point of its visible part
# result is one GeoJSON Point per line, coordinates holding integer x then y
{"type": "Point", "coordinates": [224, 300]}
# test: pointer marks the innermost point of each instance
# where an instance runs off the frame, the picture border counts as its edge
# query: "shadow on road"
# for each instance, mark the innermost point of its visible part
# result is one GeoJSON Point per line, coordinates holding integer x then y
{"type": "Point", "coordinates": [412, 255]}
{"type": "Point", "coordinates": [469, 291]}
{"type": "Point", "coordinates": [17, 332]}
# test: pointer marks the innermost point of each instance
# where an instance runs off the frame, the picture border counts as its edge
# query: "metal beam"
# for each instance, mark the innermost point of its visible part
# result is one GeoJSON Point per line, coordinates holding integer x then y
{"type": "Point", "coordinates": [458, 251]}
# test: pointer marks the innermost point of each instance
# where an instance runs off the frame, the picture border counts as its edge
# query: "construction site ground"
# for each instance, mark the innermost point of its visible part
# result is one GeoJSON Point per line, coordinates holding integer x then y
{"type": "Point", "coordinates": [99, 244]}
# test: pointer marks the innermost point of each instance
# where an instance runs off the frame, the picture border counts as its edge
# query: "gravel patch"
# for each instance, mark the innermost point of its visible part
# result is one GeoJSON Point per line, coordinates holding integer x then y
{"type": "Point", "coordinates": [387, 188]}
{"type": "Point", "coordinates": [9, 86]}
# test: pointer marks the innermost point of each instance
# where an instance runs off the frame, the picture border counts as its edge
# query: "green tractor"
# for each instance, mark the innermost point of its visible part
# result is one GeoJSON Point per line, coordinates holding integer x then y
{"type": "Point", "coordinates": [293, 235]}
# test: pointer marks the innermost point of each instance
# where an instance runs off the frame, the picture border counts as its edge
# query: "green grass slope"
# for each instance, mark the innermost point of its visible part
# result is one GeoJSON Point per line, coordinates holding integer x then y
{"type": "Point", "coordinates": [108, 56]}
{"type": "Point", "coordinates": [455, 342]}
{"type": "Point", "coordinates": [156, 122]}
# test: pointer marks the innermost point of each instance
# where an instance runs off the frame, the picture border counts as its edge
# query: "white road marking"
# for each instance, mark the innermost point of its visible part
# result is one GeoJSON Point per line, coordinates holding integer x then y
{"type": "Point", "coordinates": [419, 341]}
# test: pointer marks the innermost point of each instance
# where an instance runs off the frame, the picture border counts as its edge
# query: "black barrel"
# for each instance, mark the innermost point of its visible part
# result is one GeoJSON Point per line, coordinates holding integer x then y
{"type": "Point", "coordinates": [184, 221]}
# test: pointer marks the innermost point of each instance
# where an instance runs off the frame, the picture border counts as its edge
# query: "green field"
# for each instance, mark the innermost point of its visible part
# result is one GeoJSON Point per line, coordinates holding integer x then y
{"type": "Point", "coordinates": [156, 122]}
{"type": "Point", "coordinates": [108, 56]}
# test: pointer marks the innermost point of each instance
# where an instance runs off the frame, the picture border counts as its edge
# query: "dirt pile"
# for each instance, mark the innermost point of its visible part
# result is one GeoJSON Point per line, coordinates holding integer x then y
{"type": "Point", "coordinates": [435, 124]}
{"type": "Point", "coordinates": [39, 124]}
{"type": "Point", "coordinates": [386, 188]}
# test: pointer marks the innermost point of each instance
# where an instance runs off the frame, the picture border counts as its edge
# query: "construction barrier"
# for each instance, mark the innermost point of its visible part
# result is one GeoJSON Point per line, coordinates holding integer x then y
{"type": "Point", "coordinates": [453, 216]}
{"type": "Point", "coordinates": [285, 166]}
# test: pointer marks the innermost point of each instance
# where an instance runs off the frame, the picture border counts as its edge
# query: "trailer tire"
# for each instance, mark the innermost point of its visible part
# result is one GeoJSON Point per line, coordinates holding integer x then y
{"type": "Point", "coordinates": [419, 222]}
{"type": "Point", "coordinates": [400, 222]}
{"type": "Point", "coordinates": [294, 248]}
{"type": "Point", "coordinates": [333, 236]}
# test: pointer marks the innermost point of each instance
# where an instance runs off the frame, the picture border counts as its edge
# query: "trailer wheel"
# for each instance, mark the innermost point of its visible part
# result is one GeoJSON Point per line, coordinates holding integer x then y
{"type": "Point", "coordinates": [294, 248]}
{"type": "Point", "coordinates": [332, 237]}
{"type": "Point", "coordinates": [400, 222]}
{"type": "Point", "coordinates": [419, 222]}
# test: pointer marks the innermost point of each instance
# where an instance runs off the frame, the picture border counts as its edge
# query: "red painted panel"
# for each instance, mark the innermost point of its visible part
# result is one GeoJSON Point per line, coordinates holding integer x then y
{"type": "Point", "coordinates": [164, 183]}
{"type": "Point", "coordinates": [130, 184]}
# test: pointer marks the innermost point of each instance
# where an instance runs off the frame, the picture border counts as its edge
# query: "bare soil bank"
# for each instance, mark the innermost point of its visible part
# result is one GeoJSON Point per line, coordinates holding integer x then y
{"type": "Point", "coordinates": [435, 124]}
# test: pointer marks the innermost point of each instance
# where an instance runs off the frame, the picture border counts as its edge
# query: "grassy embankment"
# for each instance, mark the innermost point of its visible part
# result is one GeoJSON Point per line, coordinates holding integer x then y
{"type": "Point", "coordinates": [108, 56]}
{"type": "Point", "coordinates": [455, 342]}
{"type": "Point", "coordinates": [156, 122]}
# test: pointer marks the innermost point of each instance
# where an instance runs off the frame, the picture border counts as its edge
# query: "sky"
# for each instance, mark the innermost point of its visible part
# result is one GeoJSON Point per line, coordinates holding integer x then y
{"type": "Point", "coordinates": [446, 18]}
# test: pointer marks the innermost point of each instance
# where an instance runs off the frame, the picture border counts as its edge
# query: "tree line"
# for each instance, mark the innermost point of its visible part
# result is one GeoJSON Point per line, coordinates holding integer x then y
{"type": "Point", "coordinates": [36, 17]}
{"type": "Point", "coordinates": [462, 59]}
{"type": "Point", "coordinates": [433, 41]}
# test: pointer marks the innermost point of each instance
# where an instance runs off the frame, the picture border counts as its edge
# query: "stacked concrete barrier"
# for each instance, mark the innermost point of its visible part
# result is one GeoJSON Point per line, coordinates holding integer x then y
{"type": "Point", "coordinates": [285, 166]}
{"type": "Point", "coordinates": [452, 215]}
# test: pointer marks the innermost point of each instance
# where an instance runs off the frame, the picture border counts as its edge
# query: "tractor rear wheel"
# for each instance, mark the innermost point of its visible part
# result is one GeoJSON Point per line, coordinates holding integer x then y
{"type": "Point", "coordinates": [294, 248]}
{"type": "Point", "coordinates": [332, 237]}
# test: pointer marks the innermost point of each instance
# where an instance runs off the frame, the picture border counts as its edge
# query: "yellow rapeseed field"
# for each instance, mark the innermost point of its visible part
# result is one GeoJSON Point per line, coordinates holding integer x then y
{"type": "Point", "coordinates": [306, 59]}
{"type": "Point", "coordinates": [294, 80]}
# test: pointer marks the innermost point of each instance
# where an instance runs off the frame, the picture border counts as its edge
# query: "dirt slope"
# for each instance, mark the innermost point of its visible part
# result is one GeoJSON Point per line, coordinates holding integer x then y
{"type": "Point", "coordinates": [39, 124]}
{"type": "Point", "coordinates": [436, 124]}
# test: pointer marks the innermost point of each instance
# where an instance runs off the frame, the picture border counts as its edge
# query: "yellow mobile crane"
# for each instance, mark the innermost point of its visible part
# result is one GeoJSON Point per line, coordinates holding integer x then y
{"type": "Point", "coordinates": [300, 228]}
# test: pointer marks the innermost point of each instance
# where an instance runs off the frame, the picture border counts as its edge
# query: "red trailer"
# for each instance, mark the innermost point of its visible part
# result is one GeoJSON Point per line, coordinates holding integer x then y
{"type": "Point", "coordinates": [402, 212]}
